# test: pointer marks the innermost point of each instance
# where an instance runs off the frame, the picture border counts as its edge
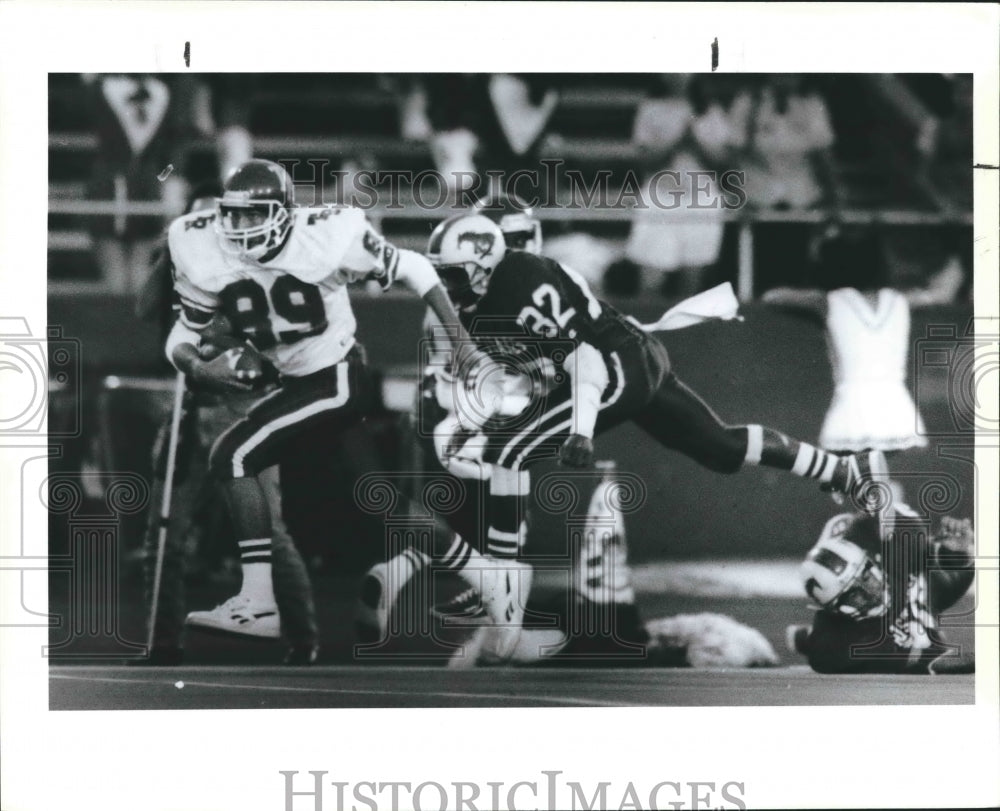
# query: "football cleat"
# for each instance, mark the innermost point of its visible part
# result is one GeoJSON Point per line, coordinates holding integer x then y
{"type": "Point", "coordinates": [464, 609]}
{"type": "Point", "coordinates": [239, 615]}
{"type": "Point", "coordinates": [301, 655]}
{"type": "Point", "coordinates": [864, 479]}
{"type": "Point", "coordinates": [506, 585]}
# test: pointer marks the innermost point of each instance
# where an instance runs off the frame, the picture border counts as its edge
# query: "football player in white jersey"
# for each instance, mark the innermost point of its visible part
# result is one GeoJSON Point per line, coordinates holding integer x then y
{"type": "Point", "coordinates": [279, 274]}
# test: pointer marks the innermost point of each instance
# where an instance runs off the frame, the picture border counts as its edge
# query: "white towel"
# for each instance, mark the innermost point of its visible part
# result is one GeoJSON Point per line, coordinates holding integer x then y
{"type": "Point", "coordinates": [717, 304]}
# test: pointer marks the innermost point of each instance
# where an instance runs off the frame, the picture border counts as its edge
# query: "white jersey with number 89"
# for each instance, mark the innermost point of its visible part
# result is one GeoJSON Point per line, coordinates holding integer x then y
{"type": "Point", "coordinates": [295, 308]}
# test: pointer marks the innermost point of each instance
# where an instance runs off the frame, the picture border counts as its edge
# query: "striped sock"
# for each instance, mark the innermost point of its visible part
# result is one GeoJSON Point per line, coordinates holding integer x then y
{"type": "Point", "coordinates": [255, 560]}
{"type": "Point", "coordinates": [814, 463]}
{"type": "Point", "coordinates": [509, 490]}
{"type": "Point", "coordinates": [464, 561]}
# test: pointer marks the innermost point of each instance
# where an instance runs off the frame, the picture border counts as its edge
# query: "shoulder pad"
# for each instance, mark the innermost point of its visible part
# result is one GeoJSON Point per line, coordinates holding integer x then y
{"type": "Point", "coordinates": [321, 237]}
{"type": "Point", "coordinates": [194, 248]}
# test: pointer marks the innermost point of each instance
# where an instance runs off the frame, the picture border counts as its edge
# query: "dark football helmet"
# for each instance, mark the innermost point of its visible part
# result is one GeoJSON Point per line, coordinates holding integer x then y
{"type": "Point", "coordinates": [255, 210]}
{"type": "Point", "coordinates": [521, 229]}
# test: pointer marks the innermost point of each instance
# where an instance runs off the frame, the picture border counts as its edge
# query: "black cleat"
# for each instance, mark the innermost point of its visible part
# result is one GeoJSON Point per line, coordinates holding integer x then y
{"type": "Point", "coordinates": [301, 655]}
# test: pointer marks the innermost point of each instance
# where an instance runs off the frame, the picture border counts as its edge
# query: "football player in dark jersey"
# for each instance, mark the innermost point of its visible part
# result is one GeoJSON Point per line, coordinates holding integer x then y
{"type": "Point", "coordinates": [582, 368]}
{"type": "Point", "coordinates": [521, 230]}
{"type": "Point", "coordinates": [879, 584]}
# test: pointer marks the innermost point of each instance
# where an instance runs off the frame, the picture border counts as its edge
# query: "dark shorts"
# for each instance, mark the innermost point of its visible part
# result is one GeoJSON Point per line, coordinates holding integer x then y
{"type": "Point", "coordinates": [336, 396]}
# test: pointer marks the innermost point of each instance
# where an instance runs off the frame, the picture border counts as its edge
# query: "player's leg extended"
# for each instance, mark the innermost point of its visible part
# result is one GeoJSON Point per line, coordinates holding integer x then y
{"type": "Point", "coordinates": [679, 419]}
{"type": "Point", "coordinates": [239, 455]}
{"type": "Point", "coordinates": [496, 580]}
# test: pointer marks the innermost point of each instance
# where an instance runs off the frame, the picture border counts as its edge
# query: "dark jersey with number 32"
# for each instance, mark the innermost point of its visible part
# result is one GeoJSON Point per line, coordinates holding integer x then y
{"type": "Point", "coordinates": [295, 308]}
{"type": "Point", "coordinates": [535, 306]}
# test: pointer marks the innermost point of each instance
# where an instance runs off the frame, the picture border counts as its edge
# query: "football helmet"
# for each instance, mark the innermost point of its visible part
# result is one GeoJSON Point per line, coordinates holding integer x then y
{"type": "Point", "coordinates": [255, 209]}
{"type": "Point", "coordinates": [841, 577]}
{"type": "Point", "coordinates": [521, 228]}
{"type": "Point", "coordinates": [465, 250]}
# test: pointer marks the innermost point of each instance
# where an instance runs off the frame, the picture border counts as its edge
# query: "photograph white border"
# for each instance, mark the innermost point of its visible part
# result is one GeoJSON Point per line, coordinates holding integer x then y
{"type": "Point", "coordinates": [214, 760]}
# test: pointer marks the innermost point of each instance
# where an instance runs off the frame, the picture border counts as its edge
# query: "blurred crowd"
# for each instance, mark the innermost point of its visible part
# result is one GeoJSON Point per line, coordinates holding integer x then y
{"type": "Point", "coordinates": [795, 139]}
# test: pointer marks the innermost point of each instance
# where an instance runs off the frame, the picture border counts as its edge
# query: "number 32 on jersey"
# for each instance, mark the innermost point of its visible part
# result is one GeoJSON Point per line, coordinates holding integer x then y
{"type": "Point", "coordinates": [288, 312]}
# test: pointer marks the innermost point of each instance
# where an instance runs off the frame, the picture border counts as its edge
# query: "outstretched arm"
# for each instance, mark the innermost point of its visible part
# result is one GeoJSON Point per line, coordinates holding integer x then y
{"type": "Point", "coordinates": [472, 368]}
{"type": "Point", "coordinates": [942, 287]}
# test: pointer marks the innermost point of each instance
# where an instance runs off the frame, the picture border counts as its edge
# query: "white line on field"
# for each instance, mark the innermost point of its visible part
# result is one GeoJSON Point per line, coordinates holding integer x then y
{"type": "Point", "coordinates": [577, 702]}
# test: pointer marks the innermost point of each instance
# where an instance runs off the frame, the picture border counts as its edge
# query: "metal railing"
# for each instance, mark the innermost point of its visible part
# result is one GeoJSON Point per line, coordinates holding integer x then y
{"type": "Point", "coordinates": [747, 218]}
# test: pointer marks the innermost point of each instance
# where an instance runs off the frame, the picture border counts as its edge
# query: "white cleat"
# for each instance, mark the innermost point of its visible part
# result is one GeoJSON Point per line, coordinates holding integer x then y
{"type": "Point", "coordinates": [506, 585]}
{"type": "Point", "coordinates": [239, 615]}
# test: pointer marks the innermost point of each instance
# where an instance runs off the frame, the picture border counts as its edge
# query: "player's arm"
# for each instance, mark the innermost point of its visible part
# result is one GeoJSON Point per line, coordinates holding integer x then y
{"type": "Point", "coordinates": [198, 308]}
{"type": "Point", "coordinates": [588, 376]}
{"type": "Point", "coordinates": [377, 258]}
{"type": "Point", "coordinates": [563, 306]}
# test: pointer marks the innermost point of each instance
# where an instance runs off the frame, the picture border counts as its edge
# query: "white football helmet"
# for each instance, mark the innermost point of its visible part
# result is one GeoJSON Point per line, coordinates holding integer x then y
{"type": "Point", "coordinates": [465, 250]}
{"type": "Point", "coordinates": [841, 577]}
{"type": "Point", "coordinates": [522, 230]}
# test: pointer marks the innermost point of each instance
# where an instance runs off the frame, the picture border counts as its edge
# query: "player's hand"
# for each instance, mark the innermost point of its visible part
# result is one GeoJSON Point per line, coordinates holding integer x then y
{"type": "Point", "coordinates": [450, 443]}
{"type": "Point", "coordinates": [956, 535]}
{"type": "Point", "coordinates": [226, 373]}
{"type": "Point", "coordinates": [577, 451]}
{"type": "Point", "coordinates": [479, 381]}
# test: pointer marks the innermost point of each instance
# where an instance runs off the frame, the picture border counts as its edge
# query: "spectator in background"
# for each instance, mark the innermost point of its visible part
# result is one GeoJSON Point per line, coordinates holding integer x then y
{"type": "Point", "coordinates": [867, 327]}
{"type": "Point", "coordinates": [522, 105]}
{"type": "Point", "coordinates": [683, 129]}
{"type": "Point", "coordinates": [788, 141]}
{"type": "Point", "coordinates": [788, 162]}
{"type": "Point", "coordinates": [138, 123]}
{"type": "Point", "coordinates": [146, 127]}
{"type": "Point", "coordinates": [482, 122]}
{"type": "Point", "coordinates": [230, 100]}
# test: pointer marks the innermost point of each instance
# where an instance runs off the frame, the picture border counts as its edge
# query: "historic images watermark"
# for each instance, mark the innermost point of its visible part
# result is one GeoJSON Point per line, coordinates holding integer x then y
{"type": "Point", "coordinates": [550, 185]}
{"type": "Point", "coordinates": [546, 790]}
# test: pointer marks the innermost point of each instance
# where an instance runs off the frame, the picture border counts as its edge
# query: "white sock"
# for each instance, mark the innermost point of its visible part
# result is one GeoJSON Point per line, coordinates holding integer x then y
{"type": "Point", "coordinates": [257, 582]}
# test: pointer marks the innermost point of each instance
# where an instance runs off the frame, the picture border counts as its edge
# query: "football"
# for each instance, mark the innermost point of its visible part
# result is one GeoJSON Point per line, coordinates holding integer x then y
{"type": "Point", "coordinates": [246, 359]}
{"type": "Point", "coordinates": [217, 339]}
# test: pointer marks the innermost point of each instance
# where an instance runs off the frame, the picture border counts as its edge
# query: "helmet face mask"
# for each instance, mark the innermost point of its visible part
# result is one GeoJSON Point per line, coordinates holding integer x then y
{"type": "Point", "coordinates": [465, 250]}
{"type": "Point", "coordinates": [840, 577]}
{"type": "Point", "coordinates": [254, 212]}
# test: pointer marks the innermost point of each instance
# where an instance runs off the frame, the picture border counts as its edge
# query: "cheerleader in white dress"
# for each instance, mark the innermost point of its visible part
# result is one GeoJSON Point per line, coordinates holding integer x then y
{"type": "Point", "coordinates": [868, 337]}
